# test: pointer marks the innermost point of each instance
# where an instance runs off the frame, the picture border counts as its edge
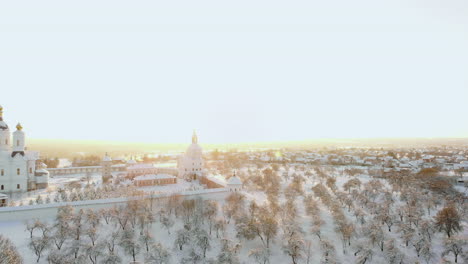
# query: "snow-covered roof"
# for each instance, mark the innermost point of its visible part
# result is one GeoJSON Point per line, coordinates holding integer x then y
{"type": "Point", "coordinates": [141, 166]}
{"type": "Point", "coordinates": [217, 178]}
{"type": "Point", "coordinates": [154, 177]}
{"type": "Point", "coordinates": [234, 180]}
{"type": "Point", "coordinates": [42, 170]}
{"type": "Point", "coordinates": [3, 196]}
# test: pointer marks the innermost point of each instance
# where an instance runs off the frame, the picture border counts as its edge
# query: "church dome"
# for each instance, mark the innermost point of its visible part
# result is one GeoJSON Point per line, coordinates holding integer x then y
{"type": "Point", "coordinates": [107, 158]}
{"type": "Point", "coordinates": [234, 180]}
{"type": "Point", "coordinates": [194, 149]}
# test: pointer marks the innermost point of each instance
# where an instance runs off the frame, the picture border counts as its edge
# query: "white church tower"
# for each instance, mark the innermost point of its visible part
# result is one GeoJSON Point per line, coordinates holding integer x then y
{"type": "Point", "coordinates": [19, 144]}
{"type": "Point", "coordinates": [191, 163]}
{"type": "Point", "coordinates": [18, 172]}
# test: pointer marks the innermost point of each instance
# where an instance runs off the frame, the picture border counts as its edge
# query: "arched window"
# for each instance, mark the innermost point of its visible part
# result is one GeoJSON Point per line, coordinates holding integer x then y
{"type": "Point", "coordinates": [30, 170]}
{"type": "Point", "coordinates": [17, 186]}
{"type": "Point", "coordinates": [18, 171]}
{"type": "Point", "coordinates": [2, 187]}
{"type": "Point", "coordinates": [2, 172]}
{"type": "Point", "coordinates": [17, 142]}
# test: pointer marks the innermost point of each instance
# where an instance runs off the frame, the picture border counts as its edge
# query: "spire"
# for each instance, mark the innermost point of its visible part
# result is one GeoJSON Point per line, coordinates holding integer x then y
{"type": "Point", "coordinates": [19, 127]}
{"type": "Point", "coordinates": [194, 137]}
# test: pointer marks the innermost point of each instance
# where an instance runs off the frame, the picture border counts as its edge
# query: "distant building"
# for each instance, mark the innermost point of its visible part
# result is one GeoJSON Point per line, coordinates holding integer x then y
{"type": "Point", "coordinates": [20, 170]}
{"type": "Point", "coordinates": [106, 168]}
{"type": "Point", "coordinates": [191, 162]}
{"type": "Point", "coordinates": [234, 184]}
{"type": "Point", "coordinates": [135, 169]}
{"type": "Point", "coordinates": [151, 180]}
{"type": "Point", "coordinates": [3, 200]}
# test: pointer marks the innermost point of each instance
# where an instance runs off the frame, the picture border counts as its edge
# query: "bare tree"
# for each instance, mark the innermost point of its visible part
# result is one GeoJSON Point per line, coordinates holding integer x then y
{"type": "Point", "coordinates": [158, 254]}
{"type": "Point", "coordinates": [448, 220]}
{"type": "Point", "coordinates": [167, 222]}
{"type": "Point", "coordinates": [130, 244]}
{"type": "Point", "coordinates": [38, 245]}
{"type": "Point", "coordinates": [294, 244]}
{"type": "Point", "coordinates": [455, 245]}
{"type": "Point", "coordinates": [261, 255]}
{"type": "Point", "coordinates": [94, 251]}
{"type": "Point", "coordinates": [8, 252]}
{"type": "Point", "coordinates": [147, 239]}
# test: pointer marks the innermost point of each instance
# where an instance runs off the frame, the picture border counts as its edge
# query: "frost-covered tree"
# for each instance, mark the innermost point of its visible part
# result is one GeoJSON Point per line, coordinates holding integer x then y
{"type": "Point", "coordinates": [182, 238]}
{"type": "Point", "coordinates": [420, 243]}
{"type": "Point", "coordinates": [158, 254]}
{"type": "Point", "coordinates": [328, 252]}
{"type": "Point", "coordinates": [121, 215]}
{"type": "Point", "coordinates": [228, 253]}
{"type": "Point", "coordinates": [210, 212]}
{"type": "Point", "coordinates": [59, 257]}
{"type": "Point", "coordinates": [111, 241]}
{"type": "Point", "coordinates": [202, 240]}
{"type": "Point", "coordinates": [38, 245]}
{"type": "Point", "coordinates": [293, 244]}
{"type": "Point", "coordinates": [219, 225]}
{"type": "Point", "coordinates": [77, 224]}
{"type": "Point", "coordinates": [167, 222]}
{"type": "Point", "coordinates": [448, 220]}
{"type": "Point", "coordinates": [365, 256]}
{"type": "Point", "coordinates": [111, 259]}
{"type": "Point", "coordinates": [129, 243]}
{"type": "Point", "coordinates": [261, 255]}
{"type": "Point", "coordinates": [92, 234]}
{"type": "Point", "coordinates": [33, 225]}
{"type": "Point", "coordinates": [427, 229]}
{"type": "Point", "coordinates": [455, 246]}
{"type": "Point", "coordinates": [106, 214]}
{"type": "Point", "coordinates": [375, 234]}
{"type": "Point", "coordinates": [147, 239]}
{"type": "Point", "coordinates": [94, 251]}
{"type": "Point", "coordinates": [8, 252]}
{"type": "Point", "coordinates": [407, 232]}
{"type": "Point", "coordinates": [393, 255]}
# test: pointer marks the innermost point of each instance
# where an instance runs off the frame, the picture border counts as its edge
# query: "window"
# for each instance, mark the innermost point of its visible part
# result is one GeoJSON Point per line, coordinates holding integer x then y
{"type": "Point", "coordinates": [18, 171]}
{"type": "Point", "coordinates": [2, 172]}
{"type": "Point", "coordinates": [17, 142]}
{"type": "Point", "coordinates": [30, 170]}
{"type": "Point", "coordinates": [2, 187]}
{"type": "Point", "coordinates": [17, 186]}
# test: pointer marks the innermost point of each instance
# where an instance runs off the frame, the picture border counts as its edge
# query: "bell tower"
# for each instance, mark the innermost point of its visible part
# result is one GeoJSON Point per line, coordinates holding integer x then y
{"type": "Point", "coordinates": [194, 137]}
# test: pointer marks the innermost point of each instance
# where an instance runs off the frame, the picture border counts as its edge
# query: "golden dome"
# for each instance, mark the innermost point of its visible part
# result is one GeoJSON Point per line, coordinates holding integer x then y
{"type": "Point", "coordinates": [19, 127]}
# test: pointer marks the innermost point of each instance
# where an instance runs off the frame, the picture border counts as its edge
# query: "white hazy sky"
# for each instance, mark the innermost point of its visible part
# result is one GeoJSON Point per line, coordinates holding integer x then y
{"type": "Point", "coordinates": [236, 71]}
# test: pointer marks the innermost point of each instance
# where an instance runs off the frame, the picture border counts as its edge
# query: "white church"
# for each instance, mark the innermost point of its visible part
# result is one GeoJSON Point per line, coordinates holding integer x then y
{"type": "Point", "coordinates": [20, 169]}
{"type": "Point", "coordinates": [191, 163]}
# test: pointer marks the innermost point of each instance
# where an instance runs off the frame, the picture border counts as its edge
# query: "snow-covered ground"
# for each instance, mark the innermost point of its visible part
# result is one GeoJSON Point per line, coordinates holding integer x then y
{"type": "Point", "coordinates": [15, 230]}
